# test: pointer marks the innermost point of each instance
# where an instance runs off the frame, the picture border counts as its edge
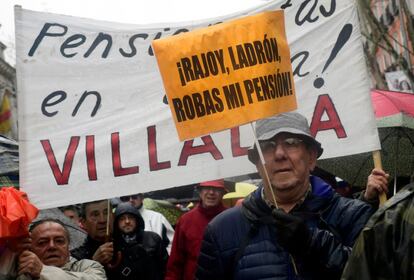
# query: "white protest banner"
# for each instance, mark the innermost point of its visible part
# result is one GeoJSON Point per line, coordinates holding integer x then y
{"type": "Point", "coordinates": [93, 122]}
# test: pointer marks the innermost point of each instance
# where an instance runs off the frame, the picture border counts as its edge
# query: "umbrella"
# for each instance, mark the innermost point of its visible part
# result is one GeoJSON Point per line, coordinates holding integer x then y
{"type": "Point", "coordinates": [169, 210]}
{"type": "Point", "coordinates": [394, 112]}
{"type": "Point", "coordinates": [76, 235]}
{"type": "Point", "coordinates": [16, 213]}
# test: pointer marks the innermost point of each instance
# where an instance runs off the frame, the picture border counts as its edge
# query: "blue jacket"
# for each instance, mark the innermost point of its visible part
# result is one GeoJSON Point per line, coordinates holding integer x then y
{"type": "Point", "coordinates": [241, 243]}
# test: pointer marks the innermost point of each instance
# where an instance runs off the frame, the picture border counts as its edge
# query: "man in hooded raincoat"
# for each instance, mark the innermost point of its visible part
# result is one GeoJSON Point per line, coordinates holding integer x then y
{"type": "Point", "coordinates": [143, 254]}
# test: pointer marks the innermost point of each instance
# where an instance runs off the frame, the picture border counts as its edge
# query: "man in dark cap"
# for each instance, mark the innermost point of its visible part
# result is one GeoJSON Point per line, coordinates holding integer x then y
{"type": "Point", "coordinates": [294, 226]}
{"type": "Point", "coordinates": [143, 255]}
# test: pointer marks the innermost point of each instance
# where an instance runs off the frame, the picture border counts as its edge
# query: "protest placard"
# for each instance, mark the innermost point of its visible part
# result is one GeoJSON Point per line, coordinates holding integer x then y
{"type": "Point", "coordinates": [94, 122]}
{"type": "Point", "coordinates": [222, 76]}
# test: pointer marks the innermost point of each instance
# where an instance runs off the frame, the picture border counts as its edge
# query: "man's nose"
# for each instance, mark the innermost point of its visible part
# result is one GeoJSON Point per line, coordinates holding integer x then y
{"type": "Point", "coordinates": [52, 244]}
{"type": "Point", "coordinates": [279, 152]}
{"type": "Point", "coordinates": [102, 217]}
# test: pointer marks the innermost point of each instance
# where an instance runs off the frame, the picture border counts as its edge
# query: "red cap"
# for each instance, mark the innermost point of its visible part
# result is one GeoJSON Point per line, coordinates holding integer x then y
{"type": "Point", "coordinates": [214, 184]}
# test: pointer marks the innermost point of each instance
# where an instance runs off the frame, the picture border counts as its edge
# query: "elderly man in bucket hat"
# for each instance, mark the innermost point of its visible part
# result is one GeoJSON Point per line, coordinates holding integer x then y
{"type": "Point", "coordinates": [294, 226]}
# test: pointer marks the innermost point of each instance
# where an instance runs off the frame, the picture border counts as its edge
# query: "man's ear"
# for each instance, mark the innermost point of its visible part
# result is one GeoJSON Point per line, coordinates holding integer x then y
{"type": "Point", "coordinates": [82, 223]}
{"type": "Point", "coordinates": [313, 156]}
{"type": "Point", "coordinates": [253, 156]}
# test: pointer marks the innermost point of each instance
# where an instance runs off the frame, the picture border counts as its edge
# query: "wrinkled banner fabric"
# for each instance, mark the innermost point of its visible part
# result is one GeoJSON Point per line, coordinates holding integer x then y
{"type": "Point", "coordinates": [93, 118]}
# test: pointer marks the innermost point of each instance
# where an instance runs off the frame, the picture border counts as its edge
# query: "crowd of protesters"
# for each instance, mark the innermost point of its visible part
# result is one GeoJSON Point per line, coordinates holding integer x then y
{"type": "Point", "coordinates": [294, 226]}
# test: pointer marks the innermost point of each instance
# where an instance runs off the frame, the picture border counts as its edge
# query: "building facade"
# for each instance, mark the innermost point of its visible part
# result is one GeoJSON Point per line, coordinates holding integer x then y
{"type": "Point", "coordinates": [8, 97]}
{"type": "Point", "coordinates": [396, 17]}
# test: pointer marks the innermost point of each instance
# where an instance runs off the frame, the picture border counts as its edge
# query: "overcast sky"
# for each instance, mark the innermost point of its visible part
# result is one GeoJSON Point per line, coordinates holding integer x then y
{"type": "Point", "coordinates": [125, 11]}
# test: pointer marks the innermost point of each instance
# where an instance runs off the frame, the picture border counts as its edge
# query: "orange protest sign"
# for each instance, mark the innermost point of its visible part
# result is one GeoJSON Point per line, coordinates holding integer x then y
{"type": "Point", "coordinates": [228, 74]}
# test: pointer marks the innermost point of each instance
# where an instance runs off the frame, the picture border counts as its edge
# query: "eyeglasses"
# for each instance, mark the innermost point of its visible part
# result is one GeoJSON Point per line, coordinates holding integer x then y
{"type": "Point", "coordinates": [288, 144]}
{"type": "Point", "coordinates": [128, 197]}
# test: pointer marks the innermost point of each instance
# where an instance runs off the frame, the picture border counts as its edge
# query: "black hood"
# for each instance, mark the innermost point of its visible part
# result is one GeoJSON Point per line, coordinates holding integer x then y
{"type": "Point", "coordinates": [127, 208]}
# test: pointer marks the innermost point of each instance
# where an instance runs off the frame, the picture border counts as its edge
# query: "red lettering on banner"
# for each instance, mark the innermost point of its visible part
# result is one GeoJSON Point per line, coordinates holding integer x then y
{"type": "Point", "coordinates": [325, 104]}
{"type": "Point", "coordinates": [236, 149]}
{"type": "Point", "coordinates": [90, 157]}
{"type": "Point", "coordinates": [116, 159]}
{"type": "Point", "coordinates": [208, 147]}
{"type": "Point", "coordinates": [61, 177]}
{"type": "Point", "coordinates": [152, 151]}
{"type": "Point", "coordinates": [189, 149]}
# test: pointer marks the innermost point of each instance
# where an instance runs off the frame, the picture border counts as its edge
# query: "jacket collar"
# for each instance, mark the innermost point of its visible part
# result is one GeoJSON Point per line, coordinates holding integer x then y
{"type": "Point", "coordinates": [254, 207]}
{"type": "Point", "coordinates": [211, 212]}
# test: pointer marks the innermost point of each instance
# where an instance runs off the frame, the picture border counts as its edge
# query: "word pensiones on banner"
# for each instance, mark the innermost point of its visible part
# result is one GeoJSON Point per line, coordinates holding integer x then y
{"type": "Point", "coordinates": [227, 77]}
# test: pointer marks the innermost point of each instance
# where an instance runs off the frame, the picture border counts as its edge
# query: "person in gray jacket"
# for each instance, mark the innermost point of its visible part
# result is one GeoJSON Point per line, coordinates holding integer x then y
{"type": "Point", "coordinates": [49, 257]}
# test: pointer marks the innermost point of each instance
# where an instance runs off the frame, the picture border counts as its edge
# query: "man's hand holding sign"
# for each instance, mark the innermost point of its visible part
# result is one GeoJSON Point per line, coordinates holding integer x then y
{"type": "Point", "coordinates": [227, 74]}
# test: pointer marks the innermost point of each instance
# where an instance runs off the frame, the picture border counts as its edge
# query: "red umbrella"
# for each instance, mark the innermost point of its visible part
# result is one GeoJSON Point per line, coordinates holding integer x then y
{"type": "Point", "coordinates": [394, 112]}
{"type": "Point", "coordinates": [16, 213]}
{"type": "Point", "coordinates": [388, 103]}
